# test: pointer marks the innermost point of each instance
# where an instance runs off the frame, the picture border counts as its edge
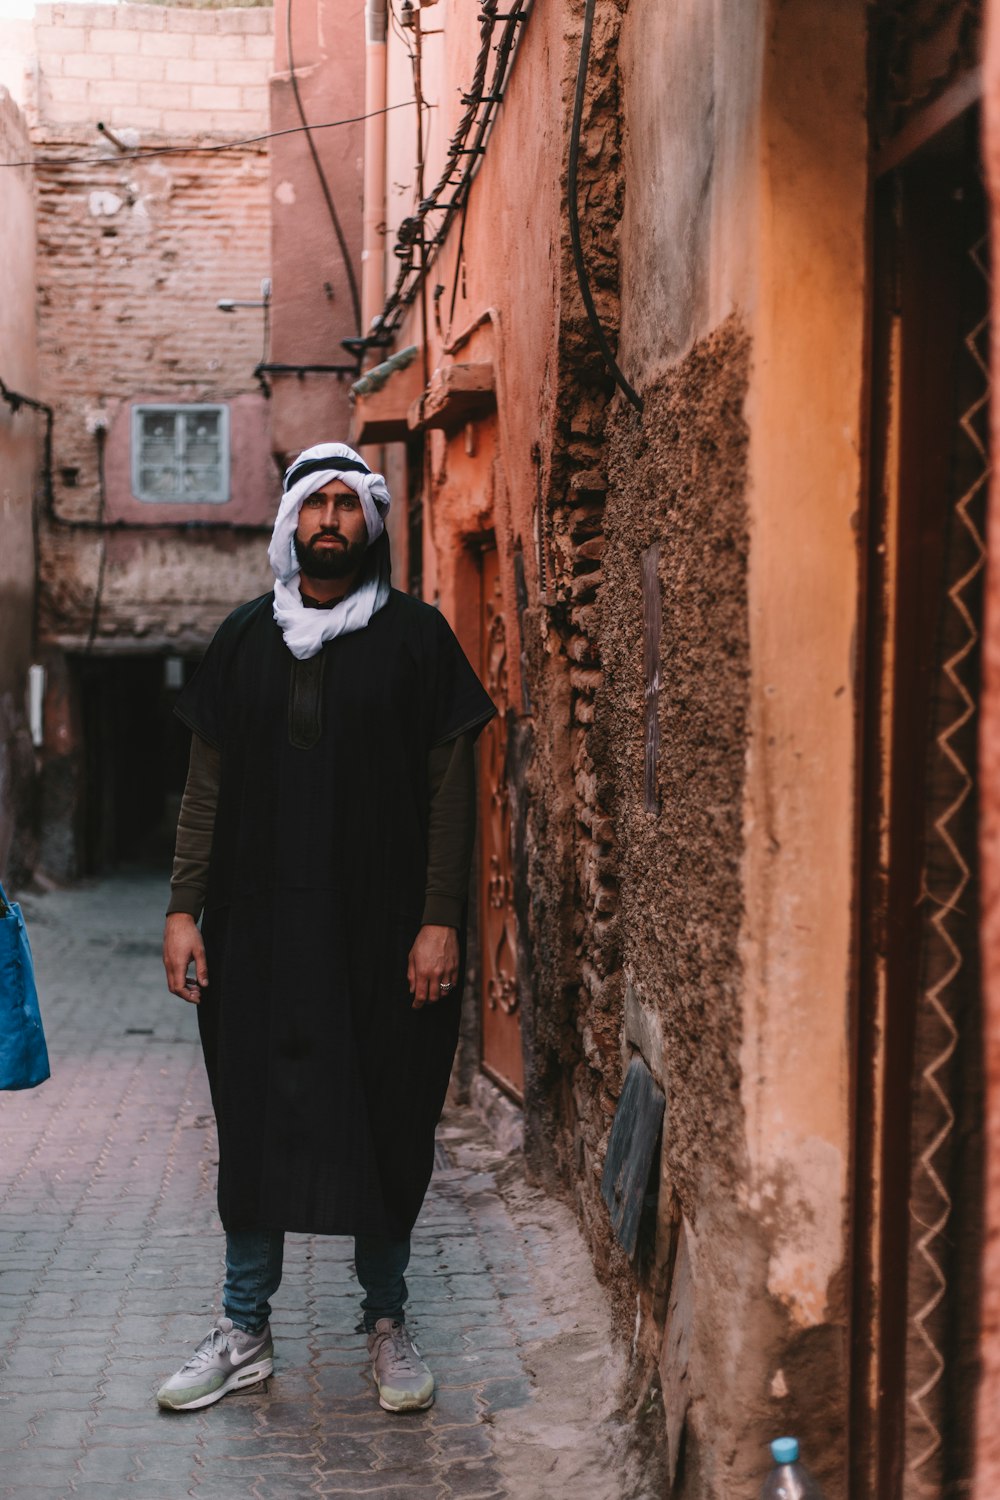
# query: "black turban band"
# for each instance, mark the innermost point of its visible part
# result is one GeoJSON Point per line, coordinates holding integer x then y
{"type": "Point", "coordinates": [315, 465]}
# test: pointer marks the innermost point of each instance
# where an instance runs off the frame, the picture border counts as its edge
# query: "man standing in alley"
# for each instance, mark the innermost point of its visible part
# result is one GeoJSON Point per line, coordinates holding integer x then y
{"type": "Point", "coordinates": [326, 832]}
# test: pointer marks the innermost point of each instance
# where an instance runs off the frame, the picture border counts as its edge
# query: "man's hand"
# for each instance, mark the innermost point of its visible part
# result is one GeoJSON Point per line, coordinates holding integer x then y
{"type": "Point", "coordinates": [432, 969]}
{"type": "Point", "coordinates": [182, 945]}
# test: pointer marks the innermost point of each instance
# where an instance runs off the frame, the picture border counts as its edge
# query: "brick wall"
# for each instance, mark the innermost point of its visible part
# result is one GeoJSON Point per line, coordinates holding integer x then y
{"type": "Point", "coordinates": [152, 68]}
{"type": "Point", "coordinates": [131, 262]}
{"type": "Point", "coordinates": [133, 256]}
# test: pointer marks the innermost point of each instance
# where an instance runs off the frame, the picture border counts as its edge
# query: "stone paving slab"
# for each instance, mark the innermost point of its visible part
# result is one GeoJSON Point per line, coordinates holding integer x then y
{"type": "Point", "coordinates": [111, 1263]}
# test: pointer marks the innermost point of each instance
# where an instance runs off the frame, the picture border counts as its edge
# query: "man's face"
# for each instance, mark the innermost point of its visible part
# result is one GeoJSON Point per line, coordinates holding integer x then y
{"type": "Point", "coordinates": [331, 536]}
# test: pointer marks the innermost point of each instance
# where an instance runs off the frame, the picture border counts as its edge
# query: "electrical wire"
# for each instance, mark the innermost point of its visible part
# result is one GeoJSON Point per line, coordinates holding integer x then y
{"type": "Point", "coordinates": [574, 215]}
{"type": "Point", "coordinates": [16, 400]}
{"type": "Point", "coordinates": [327, 195]}
{"type": "Point", "coordinates": [468, 142]}
{"type": "Point", "coordinates": [400, 30]}
{"type": "Point", "coordinates": [191, 150]}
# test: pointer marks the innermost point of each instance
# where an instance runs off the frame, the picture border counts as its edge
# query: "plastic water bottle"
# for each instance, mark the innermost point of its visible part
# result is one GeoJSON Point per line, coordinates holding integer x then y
{"type": "Point", "coordinates": [788, 1480]}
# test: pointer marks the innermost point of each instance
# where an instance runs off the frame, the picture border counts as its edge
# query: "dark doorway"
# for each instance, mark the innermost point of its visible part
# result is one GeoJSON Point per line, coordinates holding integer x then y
{"type": "Point", "coordinates": [134, 759]}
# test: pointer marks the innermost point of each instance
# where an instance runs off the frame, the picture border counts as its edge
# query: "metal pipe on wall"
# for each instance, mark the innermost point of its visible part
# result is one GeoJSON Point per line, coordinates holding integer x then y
{"type": "Point", "coordinates": [373, 241]}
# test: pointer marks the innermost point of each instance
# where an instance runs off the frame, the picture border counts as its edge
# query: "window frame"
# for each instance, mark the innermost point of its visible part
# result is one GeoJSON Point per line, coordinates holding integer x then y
{"type": "Point", "coordinates": [139, 410]}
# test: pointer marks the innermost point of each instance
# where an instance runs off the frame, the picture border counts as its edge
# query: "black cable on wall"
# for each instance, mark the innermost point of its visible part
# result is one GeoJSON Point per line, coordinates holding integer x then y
{"type": "Point", "coordinates": [328, 196]}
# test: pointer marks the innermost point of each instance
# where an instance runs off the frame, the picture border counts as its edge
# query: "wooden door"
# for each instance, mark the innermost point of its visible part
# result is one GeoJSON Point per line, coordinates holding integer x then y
{"type": "Point", "coordinates": [502, 1058]}
{"type": "Point", "coordinates": [918, 1186]}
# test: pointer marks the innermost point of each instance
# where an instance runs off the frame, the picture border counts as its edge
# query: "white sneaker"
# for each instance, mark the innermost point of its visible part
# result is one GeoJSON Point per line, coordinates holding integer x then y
{"type": "Point", "coordinates": [225, 1359]}
{"type": "Point", "coordinates": [404, 1381]}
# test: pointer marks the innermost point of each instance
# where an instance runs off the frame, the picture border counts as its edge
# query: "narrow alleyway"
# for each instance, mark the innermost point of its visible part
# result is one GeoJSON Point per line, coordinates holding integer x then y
{"type": "Point", "coordinates": [110, 1262]}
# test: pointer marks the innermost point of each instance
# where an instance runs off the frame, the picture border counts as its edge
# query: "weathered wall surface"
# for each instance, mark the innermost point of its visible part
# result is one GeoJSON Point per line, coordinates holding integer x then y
{"type": "Point", "coordinates": [162, 69]}
{"type": "Point", "coordinates": [505, 304]}
{"type": "Point", "coordinates": [312, 308]}
{"type": "Point", "coordinates": [679, 484]}
{"type": "Point", "coordinates": [20, 445]}
{"type": "Point", "coordinates": [134, 252]}
{"type": "Point", "coordinates": [722, 193]}
{"type": "Point", "coordinates": [133, 256]}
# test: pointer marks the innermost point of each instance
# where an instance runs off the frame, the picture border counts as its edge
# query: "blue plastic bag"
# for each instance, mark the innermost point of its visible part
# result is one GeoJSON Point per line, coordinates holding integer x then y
{"type": "Point", "coordinates": [24, 1057]}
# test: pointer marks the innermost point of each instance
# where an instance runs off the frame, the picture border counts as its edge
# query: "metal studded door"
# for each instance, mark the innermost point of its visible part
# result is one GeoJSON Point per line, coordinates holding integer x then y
{"type": "Point", "coordinates": [502, 1058]}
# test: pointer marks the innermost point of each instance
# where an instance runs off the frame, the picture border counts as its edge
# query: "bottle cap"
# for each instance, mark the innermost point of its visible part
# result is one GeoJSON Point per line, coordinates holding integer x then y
{"type": "Point", "coordinates": [785, 1450]}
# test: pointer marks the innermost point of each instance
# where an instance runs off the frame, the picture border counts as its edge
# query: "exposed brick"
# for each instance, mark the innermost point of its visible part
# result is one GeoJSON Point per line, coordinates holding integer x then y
{"type": "Point", "coordinates": [72, 91]}
{"type": "Point", "coordinates": [162, 96]}
{"type": "Point", "coordinates": [141, 17]}
{"type": "Point", "coordinates": [57, 39]}
{"type": "Point", "coordinates": [102, 40]}
{"type": "Point", "coordinates": [193, 21]}
{"type": "Point", "coordinates": [259, 46]}
{"type": "Point", "coordinates": [138, 302]}
{"type": "Point", "coordinates": [114, 93]}
{"type": "Point", "coordinates": [260, 21]}
{"type": "Point", "coordinates": [179, 122]}
{"type": "Point", "coordinates": [189, 70]}
{"type": "Point", "coordinates": [167, 44]}
{"type": "Point", "coordinates": [250, 73]}
{"type": "Point", "coordinates": [215, 98]}
{"type": "Point", "coordinates": [87, 65]}
{"type": "Point", "coordinates": [228, 48]}
{"type": "Point", "coordinates": [145, 116]}
{"type": "Point", "coordinates": [99, 17]}
{"type": "Point", "coordinates": [237, 122]}
{"type": "Point", "coordinates": [139, 67]}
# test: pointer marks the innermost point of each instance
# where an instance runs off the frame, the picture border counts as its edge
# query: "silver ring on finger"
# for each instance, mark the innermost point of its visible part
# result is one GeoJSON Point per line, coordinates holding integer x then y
{"type": "Point", "coordinates": [444, 985]}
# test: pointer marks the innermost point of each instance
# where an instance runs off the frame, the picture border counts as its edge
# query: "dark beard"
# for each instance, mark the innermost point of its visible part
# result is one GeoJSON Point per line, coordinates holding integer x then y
{"type": "Point", "coordinates": [341, 562]}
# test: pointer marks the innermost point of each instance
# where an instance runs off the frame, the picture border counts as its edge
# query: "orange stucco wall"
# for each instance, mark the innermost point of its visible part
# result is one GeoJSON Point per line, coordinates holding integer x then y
{"type": "Point", "coordinates": [509, 279]}
{"type": "Point", "coordinates": [723, 200]}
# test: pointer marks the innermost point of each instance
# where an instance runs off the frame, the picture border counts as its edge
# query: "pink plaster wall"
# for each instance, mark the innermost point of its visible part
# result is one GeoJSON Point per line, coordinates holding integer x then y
{"type": "Point", "coordinates": [311, 308]}
{"type": "Point", "coordinates": [511, 255]}
{"type": "Point", "coordinates": [255, 486]}
{"type": "Point", "coordinates": [20, 433]}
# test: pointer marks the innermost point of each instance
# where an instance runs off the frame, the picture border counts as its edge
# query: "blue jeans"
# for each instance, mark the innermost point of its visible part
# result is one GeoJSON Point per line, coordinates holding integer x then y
{"type": "Point", "coordinates": [253, 1274]}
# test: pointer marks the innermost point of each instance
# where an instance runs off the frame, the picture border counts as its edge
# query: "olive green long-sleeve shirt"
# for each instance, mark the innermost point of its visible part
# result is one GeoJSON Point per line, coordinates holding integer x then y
{"type": "Point", "coordinates": [450, 835]}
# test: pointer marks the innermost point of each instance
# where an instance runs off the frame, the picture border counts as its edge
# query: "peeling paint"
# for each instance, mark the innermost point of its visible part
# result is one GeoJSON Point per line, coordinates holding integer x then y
{"type": "Point", "coordinates": [807, 1226]}
{"type": "Point", "coordinates": [104, 204]}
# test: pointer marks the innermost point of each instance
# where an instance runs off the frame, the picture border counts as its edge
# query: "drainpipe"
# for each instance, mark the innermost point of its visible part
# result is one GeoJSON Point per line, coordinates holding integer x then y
{"type": "Point", "coordinates": [373, 246]}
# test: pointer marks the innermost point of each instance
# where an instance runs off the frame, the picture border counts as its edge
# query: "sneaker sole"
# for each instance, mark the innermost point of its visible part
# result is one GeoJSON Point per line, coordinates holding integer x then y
{"type": "Point", "coordinates": [406, 1405]}
{"type": "Point", "coordinates": [251, 1375]}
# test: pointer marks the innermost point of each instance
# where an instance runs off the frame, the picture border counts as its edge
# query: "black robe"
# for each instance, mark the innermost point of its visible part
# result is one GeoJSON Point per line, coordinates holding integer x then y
{"type": "Point", "coordinates": [326, 1083]}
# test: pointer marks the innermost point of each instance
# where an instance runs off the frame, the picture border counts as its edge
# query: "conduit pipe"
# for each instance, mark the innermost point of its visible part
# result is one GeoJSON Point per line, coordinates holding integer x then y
{"type": "Point", "coordinates": [373, 231]}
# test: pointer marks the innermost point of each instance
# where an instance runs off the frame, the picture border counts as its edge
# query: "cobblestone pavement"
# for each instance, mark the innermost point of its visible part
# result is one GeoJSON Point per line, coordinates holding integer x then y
{"type": "Point", "coordinates": [110, 1267]}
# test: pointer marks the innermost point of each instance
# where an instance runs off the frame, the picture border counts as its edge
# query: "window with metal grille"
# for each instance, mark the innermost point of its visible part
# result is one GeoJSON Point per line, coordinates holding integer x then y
{"type": "Point", "coordinates": [180, 454]}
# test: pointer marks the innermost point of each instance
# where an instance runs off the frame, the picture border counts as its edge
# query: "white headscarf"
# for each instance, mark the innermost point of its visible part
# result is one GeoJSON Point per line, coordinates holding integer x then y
{"type": "Point", "coordinates": [307, 630]}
